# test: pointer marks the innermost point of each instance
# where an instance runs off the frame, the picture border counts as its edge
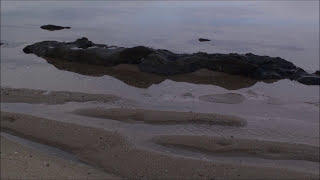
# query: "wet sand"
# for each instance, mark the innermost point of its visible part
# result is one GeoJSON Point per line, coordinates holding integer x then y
{"type": "Point", "coordinates": [278, 140]}
{"type": "Point", "coordinates": [21, 162]}
{"type": "Point", "coordinates": [115, 154]}
{"type": "Point", "coordinates": [228, 98]}
{"type": "Point", "coordinates": [242, 147]}
{"type": "Point", "coordinates": [32, 96]}
{"type": "Point", "coordinates": [161, 117]}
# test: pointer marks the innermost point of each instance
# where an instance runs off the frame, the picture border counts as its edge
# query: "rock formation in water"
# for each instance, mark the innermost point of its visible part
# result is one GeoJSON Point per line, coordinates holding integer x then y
{"type": "Point", "coordinates": [203, 40]}
{"type": "Point", "coordinates": [51, 27]}
{"type": "Point", "coordinates": [166, 63]}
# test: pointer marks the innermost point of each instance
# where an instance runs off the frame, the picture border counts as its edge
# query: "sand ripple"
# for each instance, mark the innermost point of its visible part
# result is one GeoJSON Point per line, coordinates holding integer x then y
{"type": "Point", "coordinates": [242, 147]}
{"type": "Point", "coordinates": [32, 96]}
{"type": "Point", "coordinates": [161, 117]}
{"type": "Point", "coordinates": [227, 98]}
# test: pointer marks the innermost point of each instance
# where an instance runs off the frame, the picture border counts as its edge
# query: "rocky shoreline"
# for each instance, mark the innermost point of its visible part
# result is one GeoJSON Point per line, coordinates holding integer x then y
{"type": "Point", "coordinates": [166, 63]}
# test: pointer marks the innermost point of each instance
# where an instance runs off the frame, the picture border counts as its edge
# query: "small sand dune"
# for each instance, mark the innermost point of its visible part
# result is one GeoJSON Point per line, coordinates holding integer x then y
{"type": "Point", "coordinates": [161, 117]}
{"type": "Point", "coordinates": [35, 127]}
{"type": "Point", "coordinates": [32, 96]}
{"type": "Point", "coordinates": [242, 147]}
{"type": "Point", "coordinates": [113, 153]}
{"type": "Point", "coordinates": [227, 98]}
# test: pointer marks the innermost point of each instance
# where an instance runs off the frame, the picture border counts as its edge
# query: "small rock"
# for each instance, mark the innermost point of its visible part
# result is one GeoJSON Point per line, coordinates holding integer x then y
{"type": "Point", "coordinates": [46, 164]}
{"type": "Point", "coordinates": [203, 40]}
{"type": "Point", "coordinates": [51, 27]}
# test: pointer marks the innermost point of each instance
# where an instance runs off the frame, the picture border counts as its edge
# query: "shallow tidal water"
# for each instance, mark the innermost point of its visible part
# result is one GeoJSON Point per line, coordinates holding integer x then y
{"type": "Point", "coordinates": [280, 111]}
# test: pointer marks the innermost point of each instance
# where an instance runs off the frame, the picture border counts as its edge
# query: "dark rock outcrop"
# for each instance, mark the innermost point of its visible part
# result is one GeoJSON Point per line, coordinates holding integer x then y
{"type": "Point", "coordinates": [51, 27]}
{"type": "Point", "coordinates": [166, 63]}
{"type": "Point", "coordinates": [203, 40]}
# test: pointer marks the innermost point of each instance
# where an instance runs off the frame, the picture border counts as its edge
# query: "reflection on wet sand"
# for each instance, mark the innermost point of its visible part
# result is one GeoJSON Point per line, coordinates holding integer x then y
{"type": "Point", "coordinates": [131, 75]}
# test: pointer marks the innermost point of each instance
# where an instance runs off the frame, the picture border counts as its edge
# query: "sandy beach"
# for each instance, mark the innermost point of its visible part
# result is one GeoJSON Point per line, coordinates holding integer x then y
{"type": "Point", "coordinates": [21, 162]}
{"type": "Point", "coordinates": [211, 90]}
{"type": "Point", "coordinates": [111, 152]}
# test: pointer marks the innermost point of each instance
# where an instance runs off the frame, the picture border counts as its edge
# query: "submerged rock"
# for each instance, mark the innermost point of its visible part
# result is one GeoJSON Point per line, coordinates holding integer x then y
{"type": "Point", "coordinates": [203, 40]}
{"type": "Point", "coordinates": [166, 63]}
{"type": "Point", "coordinates": [51, 27]}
